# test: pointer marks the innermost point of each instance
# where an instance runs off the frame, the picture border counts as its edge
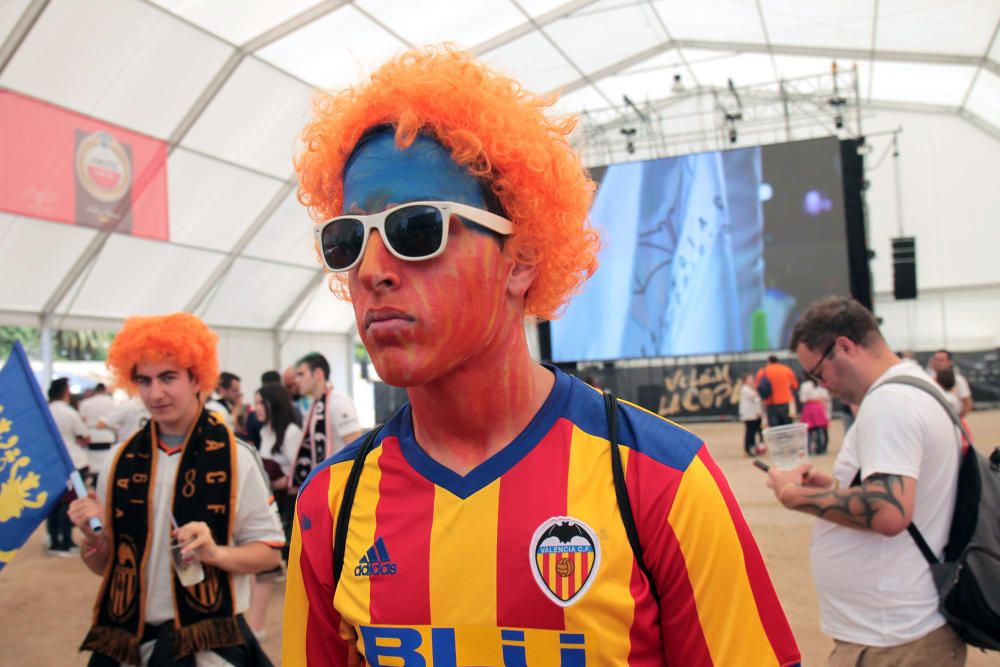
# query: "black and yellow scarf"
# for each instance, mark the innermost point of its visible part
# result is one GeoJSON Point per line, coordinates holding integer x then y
{"type": "Point", "coordinates": [204, 490]}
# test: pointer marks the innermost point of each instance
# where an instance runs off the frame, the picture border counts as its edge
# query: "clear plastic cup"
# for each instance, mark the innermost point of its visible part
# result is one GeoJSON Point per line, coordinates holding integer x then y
{"type": "Point", "coordinates": [189, 570]}
{"type": "Point", "coordinates": [788, 444]}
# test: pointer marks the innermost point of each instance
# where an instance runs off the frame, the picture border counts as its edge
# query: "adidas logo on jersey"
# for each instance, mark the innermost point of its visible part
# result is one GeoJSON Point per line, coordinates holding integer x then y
{"type": "Point", "coordinates": [376, 562]}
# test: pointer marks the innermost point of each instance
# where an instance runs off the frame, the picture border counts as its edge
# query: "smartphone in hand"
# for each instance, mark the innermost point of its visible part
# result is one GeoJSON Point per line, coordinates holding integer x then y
{"type": "Point", "coordinates": [760, 464]}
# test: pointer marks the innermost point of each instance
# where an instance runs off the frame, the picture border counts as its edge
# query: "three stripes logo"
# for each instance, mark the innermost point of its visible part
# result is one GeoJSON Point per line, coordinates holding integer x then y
{"type": "Point", "coordinates": [376, 562]}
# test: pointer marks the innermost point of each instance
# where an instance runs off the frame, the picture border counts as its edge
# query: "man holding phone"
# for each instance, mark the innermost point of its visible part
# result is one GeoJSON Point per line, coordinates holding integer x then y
{"type": "Point", "coordinates": [898, 463]}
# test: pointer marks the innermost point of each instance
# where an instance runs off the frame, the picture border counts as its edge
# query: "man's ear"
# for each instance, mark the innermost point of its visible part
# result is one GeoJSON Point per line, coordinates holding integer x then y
{"type": "Point", "coordinates": [521, 277]}
{"type": "Point", "coordinates": [196, 383]}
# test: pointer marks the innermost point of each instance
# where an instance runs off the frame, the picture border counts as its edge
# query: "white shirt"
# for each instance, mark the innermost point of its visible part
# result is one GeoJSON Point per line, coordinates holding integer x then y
{"type": "Point", "coordinates": [961, 388]}
{"type": "Point", "coordinates": [127, 418]}
{"type": "Point", "coordinates": [71, 426]}
{"type": "Point", "coordinates": [289, 446]}
{"type": "Point", "coordinates": [749, 403]}
{"type": "Point", "coordinates": [94, 409]}
{"type": "Point", "coordinates": [218, 406]}
{"type": "Point", "coordinates": [256, 520]}
{"type": "Point", "coordinates": [876, 590]}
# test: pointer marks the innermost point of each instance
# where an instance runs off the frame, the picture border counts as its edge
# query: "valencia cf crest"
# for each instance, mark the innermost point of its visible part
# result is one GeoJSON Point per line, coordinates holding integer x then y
{"type": "Point", "coordinates": [565, 555]}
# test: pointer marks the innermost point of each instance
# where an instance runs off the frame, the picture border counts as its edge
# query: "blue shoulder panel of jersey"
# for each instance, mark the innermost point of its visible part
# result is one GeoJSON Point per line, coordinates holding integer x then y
{"type": "Point", "coordinates": [351, 450]}
{"type": "Point", "coordinates": [652, 435]}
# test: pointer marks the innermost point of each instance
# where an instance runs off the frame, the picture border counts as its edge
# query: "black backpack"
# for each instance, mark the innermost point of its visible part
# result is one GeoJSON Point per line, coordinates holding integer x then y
{"type": "Point", "coordinates": [617, 473]}
{"type": "Point", "coordinates": [764, 387]}
{"type": "Point", "coordinates": [968, 579]}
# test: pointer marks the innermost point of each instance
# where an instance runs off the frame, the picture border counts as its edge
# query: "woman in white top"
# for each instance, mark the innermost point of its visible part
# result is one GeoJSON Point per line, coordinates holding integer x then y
{"type": "Point", "coordinates": [750, 415]}
{"type": "Point", "coordinates": [280, 439]}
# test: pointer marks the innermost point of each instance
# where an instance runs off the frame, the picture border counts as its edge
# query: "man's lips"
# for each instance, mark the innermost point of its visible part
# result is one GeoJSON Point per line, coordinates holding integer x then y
{"type": "Point", "coordinates": [386, 319]}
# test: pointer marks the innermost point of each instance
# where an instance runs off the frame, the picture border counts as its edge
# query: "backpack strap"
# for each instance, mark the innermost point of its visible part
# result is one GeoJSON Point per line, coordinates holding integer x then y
{"type": "Point", "coordinates": [621, 491]}
{"type": "Point", "coordinates": [347, 503]}
{"type": "Point", "coordinates": [926, 387]}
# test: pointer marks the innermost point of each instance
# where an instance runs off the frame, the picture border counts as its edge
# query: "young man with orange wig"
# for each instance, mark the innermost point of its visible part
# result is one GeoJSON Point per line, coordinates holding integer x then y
{"type": "Point", "coordinates": [480, 524]}
{"type": "Point", "coordinates": [183, 479]}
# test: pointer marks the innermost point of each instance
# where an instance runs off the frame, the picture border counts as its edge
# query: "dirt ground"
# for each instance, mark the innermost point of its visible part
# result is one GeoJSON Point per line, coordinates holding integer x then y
{"type": "Point", "coordinates": [47, 602]}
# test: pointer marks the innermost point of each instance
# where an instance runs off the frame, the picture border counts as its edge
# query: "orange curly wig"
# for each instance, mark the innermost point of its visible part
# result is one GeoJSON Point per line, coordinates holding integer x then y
{"type": "Point", "coordinates": [179, 337]}
{"type": "Point", "coordinates": [493, 128]}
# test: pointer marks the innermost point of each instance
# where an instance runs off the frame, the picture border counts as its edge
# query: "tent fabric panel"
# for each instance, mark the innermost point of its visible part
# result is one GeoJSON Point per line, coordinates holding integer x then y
{"type": "Point", "coordinates": [715, 69]}
{"type": "Point", "coordinates": [286, 236]}
{"type": "Point", "coordinates": [961, 319]}
{"type": "Point", "coordinates": [247, 354]}
{"type": "Point", "coordinates": [236, 21]}
{"type": "Point", "coordinates": [924, 83]}
{"type": "Point", "coordinates": [648, 83]}
{"type": "Point", "coordinates": [254, 120]}
{"type": "Point", "coordinates": [436, 21]}
{"type": "Point", "coordinates": [843, 24]}
{"type": "Point", "coordinates": [727, 20]}
{"type": "Point", "coordinates": [335, 50]}
{"type": "Point", "coordinates": [534, 61]}
{"type": "Point", "coordinates": [587, 99]}
{"type": "Point", "coordinates": [536, 8]}
{"type": "Point", "coordinates": [322, 311]}
{"type": "Point", "coordinates": [35, 256]}
{"type": "Point", "coordinates": [134, 276]}
{"type": "Point", "coordinates": [959, 26]}
{"type": "Point", "coordinates": [212, 202]}
{"type": "Point", "coordinates": [121, 61]}
{"type": "Point", "coordinates": [984, 99]}
{"type": "Point", "coordinates": [252, 292]}
{"type": "Point", "coordinates": [606, 33]}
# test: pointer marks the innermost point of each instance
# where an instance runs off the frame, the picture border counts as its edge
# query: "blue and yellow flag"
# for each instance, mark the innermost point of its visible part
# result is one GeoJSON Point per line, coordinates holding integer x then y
{"type": "Point", "coordinates": [34, 463]}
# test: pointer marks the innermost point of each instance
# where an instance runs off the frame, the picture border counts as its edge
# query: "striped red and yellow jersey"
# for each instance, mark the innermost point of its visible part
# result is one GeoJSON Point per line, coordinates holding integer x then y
{"type": "Point", "coordinates": [525, 559]}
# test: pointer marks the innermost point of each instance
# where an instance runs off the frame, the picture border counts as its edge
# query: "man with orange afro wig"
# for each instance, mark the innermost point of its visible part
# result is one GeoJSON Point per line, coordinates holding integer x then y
{"type": "Point", "coordinates": [485, 523]}
{"type": "Point", "coordinates": [180, 490]}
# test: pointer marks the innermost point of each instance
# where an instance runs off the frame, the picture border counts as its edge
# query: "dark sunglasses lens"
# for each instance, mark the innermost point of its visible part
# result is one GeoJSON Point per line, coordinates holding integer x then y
{"type": "Point", "coordinates": [415, 231]}
{"type": "Point", "coordinates": [341, 242]}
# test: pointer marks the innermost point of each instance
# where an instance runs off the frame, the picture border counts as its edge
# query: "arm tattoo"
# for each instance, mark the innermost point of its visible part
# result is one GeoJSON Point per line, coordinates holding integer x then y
{"type": "Point", "coordinates": [858, 504]}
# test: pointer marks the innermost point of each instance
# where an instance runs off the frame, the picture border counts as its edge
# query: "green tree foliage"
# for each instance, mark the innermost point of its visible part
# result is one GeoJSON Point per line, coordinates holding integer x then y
{"type": "Point", "coordinates": [68, 345]}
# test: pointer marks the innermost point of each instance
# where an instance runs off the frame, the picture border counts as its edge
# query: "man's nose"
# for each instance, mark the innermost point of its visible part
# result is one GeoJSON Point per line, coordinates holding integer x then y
{"type": "Point", "coordinates": [378, 268]}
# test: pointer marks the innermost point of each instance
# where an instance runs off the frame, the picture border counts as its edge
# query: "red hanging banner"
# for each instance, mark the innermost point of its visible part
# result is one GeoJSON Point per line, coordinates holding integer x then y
{"type": "Point", "coordinates": [63, 166]}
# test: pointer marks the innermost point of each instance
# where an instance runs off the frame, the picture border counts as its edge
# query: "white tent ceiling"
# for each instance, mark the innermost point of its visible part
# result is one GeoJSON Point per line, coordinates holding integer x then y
{"type": "Point", "coordinates": [226, 84]}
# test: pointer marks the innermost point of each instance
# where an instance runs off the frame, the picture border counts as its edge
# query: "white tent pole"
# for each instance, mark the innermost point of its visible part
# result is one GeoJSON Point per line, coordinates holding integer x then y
{"type": "Point", "coordinates": [20, 31]}
{"type": "Point", "coordinates": [276, 350]}
{"type": "Point", "coordinates": [46, 349]}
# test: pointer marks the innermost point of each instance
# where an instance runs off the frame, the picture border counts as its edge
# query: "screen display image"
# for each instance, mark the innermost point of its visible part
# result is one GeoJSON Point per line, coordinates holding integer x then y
{"type": "Point", "coordinates": [709, 253]}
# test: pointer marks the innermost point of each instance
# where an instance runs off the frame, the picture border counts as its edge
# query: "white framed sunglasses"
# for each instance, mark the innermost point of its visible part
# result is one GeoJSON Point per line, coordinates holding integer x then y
{"type": "Point", "coordinates": [412, 232]}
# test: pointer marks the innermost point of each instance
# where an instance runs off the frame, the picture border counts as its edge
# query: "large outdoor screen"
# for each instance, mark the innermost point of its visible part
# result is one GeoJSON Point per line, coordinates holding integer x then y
{"type": "Point", "coordinates": [713, 252]}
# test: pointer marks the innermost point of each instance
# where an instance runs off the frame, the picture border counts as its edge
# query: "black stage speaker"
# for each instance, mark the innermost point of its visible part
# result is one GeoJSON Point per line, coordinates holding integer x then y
{"type": "Point", "coordinates": [904, 267]}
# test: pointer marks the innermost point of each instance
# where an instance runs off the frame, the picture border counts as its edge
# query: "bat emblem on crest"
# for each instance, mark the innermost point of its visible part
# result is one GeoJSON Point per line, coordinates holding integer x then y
{"type": "Point", "coordinates": [565, 555]}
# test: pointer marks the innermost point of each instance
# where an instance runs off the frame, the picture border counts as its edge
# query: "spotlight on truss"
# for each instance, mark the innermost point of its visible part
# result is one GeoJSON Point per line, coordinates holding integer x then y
{"type": "Point", "coordinates": [629, 133]}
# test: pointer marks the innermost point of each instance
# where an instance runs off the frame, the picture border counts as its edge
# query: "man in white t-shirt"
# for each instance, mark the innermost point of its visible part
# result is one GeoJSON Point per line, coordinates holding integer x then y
{"type": "Point", "coordinates": [877, 596]}
{"type": "Point", "coordinates": [331, 423]}
{"type": "Point", "coordinates": [94, 409]}
{"type": "Point", "coordinates": [940, 361]}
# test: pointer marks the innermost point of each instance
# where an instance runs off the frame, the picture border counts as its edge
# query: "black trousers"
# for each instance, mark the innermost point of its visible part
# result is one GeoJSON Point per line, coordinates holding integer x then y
{"type": "Point", "coordinates": [752, 435]}
{"type": "Point", "coordinates": [778, 415]}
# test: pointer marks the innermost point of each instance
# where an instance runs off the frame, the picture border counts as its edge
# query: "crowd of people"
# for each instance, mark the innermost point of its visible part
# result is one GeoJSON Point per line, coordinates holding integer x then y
{"type": "Point", "coordinates": [508, 513]}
